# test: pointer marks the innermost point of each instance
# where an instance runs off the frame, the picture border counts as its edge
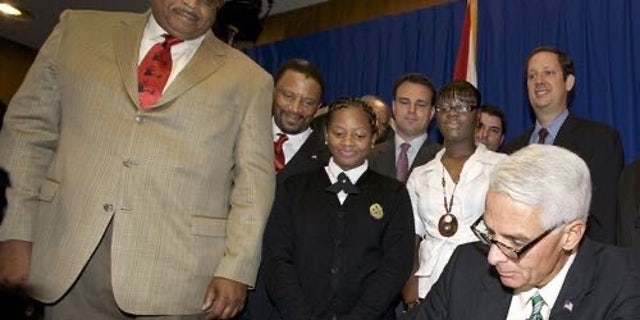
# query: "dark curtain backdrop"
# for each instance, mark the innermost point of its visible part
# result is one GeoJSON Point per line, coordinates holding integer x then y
{"type": "Point", "coordinates": [601, 35]}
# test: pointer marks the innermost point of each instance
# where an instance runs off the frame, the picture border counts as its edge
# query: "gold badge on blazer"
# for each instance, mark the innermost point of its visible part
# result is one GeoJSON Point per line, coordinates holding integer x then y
{"type": "Point", "coordinates": [375, 210]}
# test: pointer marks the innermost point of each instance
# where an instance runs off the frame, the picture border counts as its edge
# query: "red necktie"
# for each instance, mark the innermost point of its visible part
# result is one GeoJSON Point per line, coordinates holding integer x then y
{"type": "Point", "coordinates": [154, 70]}
{"type": "Point", "coordinates": [542, 135]}
{"type": "Point", "coordinates": [402, 165]}
{"type": "Point", "coordinates": [277, 148]}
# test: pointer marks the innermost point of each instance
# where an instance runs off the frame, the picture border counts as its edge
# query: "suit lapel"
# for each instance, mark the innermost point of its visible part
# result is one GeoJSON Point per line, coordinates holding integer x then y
{"type": "Point", "coordinates": [577, 284]}
{"type": "Point", "coordinates": [426, 153]}
{"type": "Point", "coordinates": [566, 135]}
{"type": "Point", "coordinates": [493, 302]}
{"type": "Point", "coordinates": [387, 158]}
{"type": "Point", "coordinates": [126, 44]}
{"type": "Point", "coordinates": [204, 62]}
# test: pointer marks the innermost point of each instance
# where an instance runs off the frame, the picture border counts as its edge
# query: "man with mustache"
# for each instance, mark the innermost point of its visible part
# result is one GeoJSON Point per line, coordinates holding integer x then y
{"type": "Point", "coordinates": [550, 82]}
{"type": "Point", "coordinates": [141, 167]}
{"type": "Point", "coordinates": [299, 146]}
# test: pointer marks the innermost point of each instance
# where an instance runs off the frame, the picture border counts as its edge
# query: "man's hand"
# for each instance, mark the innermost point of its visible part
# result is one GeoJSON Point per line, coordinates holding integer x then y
{"type": "Point", "coordinates": [224, 298]}
{"type": "Point", "coordinates": [15, 261]}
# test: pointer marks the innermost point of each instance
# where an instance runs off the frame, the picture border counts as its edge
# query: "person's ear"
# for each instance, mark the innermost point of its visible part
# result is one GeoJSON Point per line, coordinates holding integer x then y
{"type": "Point", "coordinates": [573, 233]}
{"type": "Point", "coordinates": [570, 82]}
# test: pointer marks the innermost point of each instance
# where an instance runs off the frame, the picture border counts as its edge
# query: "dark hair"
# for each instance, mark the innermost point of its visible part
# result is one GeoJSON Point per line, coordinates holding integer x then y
{"type": "Point", "coordinates": [303, 66]}
{"type": "Point", "coordinates": [566, 62]}
{"type": "Point", "coordinates": [417, 78]}
{"type": "Point", "coordinates": [460, 90]}
{"type": "Point", "coordinates": [348, 102]}
{"type": "Point", "coordinates": [496, 112]}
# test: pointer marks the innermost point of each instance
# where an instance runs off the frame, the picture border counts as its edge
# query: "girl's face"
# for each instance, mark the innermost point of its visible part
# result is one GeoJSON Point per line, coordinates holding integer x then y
{"type": "Point", "coordinates": [349, 137]}
{"type": "Point", "coordinates": [457, 126]}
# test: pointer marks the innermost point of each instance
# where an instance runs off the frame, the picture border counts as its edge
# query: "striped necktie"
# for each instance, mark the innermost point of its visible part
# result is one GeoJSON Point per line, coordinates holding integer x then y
{"type": "Point", "coordinates": [537, 302]}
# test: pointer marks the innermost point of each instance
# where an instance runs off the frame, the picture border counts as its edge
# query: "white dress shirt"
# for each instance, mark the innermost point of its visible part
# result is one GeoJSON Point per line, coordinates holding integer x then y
{"type": "Point", "coordinates": [521, 301]}
{"type": "Point", "coordinates": [333, 170]}
{"type": "Point", "coordinates": [293, 144]}
{"type": "Point", "coordinates": [181, 53]}
{"type": "Point", "coordinates": [425, 189]}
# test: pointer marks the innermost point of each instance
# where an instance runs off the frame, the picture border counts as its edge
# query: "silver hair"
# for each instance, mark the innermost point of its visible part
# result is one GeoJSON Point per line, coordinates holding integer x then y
{"type": "Point", "coordinates": [553, 180]}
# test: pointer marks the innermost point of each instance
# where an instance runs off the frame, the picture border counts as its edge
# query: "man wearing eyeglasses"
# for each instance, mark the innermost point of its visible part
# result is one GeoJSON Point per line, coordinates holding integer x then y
{"type": "Point", "coordinates": [532, 260]}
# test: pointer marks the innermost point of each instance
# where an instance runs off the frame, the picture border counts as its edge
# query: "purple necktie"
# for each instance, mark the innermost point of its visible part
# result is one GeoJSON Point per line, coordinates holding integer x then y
{"type": "Point", "coordinates": [542, 135]}
{"type": "Point", "coordinates": [402, 164]}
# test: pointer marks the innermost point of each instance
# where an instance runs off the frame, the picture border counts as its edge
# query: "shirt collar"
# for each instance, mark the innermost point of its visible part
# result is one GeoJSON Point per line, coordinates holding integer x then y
{"type": "Point", "coordinates": [554, 127]}
{"type": "Point", "coordinates": [333, 170]}
{"type": "Point", "coordinates": [415, 143]}
{"type": "Point", "coordinates": [153, 32]}
{"type": "Point", "coordinates": [298, 137]}
{"type": "Point", "coordinates": [550, 291]}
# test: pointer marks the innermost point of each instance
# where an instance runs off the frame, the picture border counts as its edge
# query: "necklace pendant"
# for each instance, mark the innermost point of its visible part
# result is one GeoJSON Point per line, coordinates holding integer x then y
{"type": "Point", "coordinates": [448, 225]}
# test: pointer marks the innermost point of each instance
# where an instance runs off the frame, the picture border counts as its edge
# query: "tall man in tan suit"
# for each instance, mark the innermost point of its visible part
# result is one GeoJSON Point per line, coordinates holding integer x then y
{"type": "Point", "coordinates": [160, 207]}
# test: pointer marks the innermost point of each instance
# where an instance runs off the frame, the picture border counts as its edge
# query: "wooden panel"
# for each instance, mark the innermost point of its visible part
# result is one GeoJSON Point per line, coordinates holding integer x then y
{"type": "Point", "coordinates": [333, 14]}
{"type": "Point", "coordinates": [16, 60]}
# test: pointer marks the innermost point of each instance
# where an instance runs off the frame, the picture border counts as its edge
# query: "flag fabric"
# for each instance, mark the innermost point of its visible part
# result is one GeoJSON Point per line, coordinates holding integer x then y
{"type": "Point", "coordinates": [465, 68]}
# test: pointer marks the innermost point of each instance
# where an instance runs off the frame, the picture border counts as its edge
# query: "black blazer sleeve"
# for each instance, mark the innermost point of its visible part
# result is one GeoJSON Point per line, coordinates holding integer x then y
{"type": "Point", "coordinates": [629, 207]}
{"type": "Point", "coordinates": [278, 250]}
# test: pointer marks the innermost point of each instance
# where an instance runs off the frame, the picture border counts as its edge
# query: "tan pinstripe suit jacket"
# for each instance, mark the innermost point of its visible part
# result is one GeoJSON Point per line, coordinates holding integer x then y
{"type": "Point", "coordinates": [188, 186]}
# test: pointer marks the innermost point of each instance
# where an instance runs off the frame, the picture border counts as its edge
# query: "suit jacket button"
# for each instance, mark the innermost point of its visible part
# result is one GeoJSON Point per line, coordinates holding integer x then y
{"type": "Point", "coordinates": [108, 207]}
{"type": "Point", "coordinates": [139, 118]}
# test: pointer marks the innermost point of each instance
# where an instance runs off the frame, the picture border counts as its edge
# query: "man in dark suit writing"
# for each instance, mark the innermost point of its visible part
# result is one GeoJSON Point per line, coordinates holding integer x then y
{"type": "Point", "coordinates": [532, 261]}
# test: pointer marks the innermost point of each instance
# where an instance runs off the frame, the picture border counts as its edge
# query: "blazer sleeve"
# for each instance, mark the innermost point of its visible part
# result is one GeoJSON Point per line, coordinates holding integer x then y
{"type": "Point", "coordinates": [396, 264]}
{"type": "Point", "coordinates": [278, 265]}
{"type": "Point", "coordinates": [436, 304]}
{"type": "Point", "coordinates": [253, 184]}
{"type": "Point", "coordinates": [606, 164]}
{"type": "Point", "coordinates": [628, 231]}
{"type": "Point", "coordinates": [29, 138]}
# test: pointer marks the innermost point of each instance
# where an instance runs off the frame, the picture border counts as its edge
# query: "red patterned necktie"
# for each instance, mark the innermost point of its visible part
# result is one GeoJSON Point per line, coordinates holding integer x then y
{"type": "Point", "coordinates": [277, 148]}
{"type": "Point", "coordinates": [154, 70]}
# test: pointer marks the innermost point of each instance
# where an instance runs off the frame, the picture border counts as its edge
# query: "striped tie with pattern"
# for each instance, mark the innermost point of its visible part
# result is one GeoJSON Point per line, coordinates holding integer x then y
{"type": "Point", "coordinates": [537, 302]}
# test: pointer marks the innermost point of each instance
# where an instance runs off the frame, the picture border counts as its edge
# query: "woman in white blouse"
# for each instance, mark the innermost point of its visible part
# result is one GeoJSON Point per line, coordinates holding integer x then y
{"type": "Point", "coordinates": [447, 193]}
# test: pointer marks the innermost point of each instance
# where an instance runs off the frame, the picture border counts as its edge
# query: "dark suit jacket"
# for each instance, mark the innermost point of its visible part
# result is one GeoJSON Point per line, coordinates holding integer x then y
{"type": "Point", "coordinates": [383, 157]}
{"type": "Point", "coordinates": [603, 283]}
{"type": "Point", "coordinates": [313, 154]}
{"type": "Point", "coordinates": [629, 207]}
{"type": "Point", "coordinates": [600, 147]}
{"type": "Point", "coordinates": [321, 258]}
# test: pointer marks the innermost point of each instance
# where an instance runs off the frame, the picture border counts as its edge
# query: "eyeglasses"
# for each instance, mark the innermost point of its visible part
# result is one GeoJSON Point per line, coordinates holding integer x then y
{"type": "Point", "coordinates": [442, 108]}
{"type": "Point", "coordinates": [481, 231]}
